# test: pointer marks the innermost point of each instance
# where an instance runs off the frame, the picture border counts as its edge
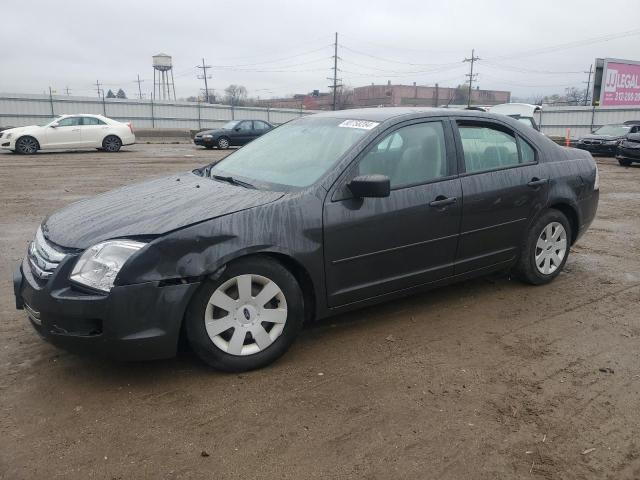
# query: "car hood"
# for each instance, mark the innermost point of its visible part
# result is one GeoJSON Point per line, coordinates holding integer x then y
{"type": "Point", "coordinates": [593, 136]}
{"type": "Point", "coordinates": [150, 208]}
{"type": "Point", "coordinates": [20, 130]}
{"type": "Point", "coordinates": [212, 132]}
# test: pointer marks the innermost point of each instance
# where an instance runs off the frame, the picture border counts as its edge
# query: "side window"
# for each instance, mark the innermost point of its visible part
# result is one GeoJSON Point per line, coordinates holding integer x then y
{"type": "Point", "coordinates": [69, 122]}
{"type": "Point", "coordinates": [411, 155]}
{"type": "Point", "coordinates": [487, 148]}
{"type": "Point", "coordinates": [258, 125]}
{"type": "Point", "coordinates": [527, 153]}
{"type": "Point", "coordinates": [245, 126]}
{"type": "Point", "coordinates": [92, 121]}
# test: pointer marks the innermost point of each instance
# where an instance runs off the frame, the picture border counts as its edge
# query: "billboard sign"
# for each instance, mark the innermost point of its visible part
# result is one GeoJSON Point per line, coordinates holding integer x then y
{"type": "Point", "coordinates": [620, 83]}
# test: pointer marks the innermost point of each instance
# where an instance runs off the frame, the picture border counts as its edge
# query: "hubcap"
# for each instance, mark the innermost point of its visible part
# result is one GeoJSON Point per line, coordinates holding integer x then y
{"type": "Point", "coordinates": [112, 144]}
{"type": "Point", "coordinates": [28, 145]}
{"type": "Point", "coordinates": [246, 314]}
{"type": "Point", "coordinates": [551, 248]}
{"type": "Point", "coordinates": [224, 143]}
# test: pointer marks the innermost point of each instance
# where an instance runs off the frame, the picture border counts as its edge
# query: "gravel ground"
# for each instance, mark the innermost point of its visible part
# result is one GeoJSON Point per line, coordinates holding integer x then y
{"type": "Point", "coordinates": [485, 379]}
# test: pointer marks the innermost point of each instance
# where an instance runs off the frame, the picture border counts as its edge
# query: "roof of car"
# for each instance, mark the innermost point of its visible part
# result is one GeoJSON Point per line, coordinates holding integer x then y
{"type": "Point", "coordinates": [386, 113]}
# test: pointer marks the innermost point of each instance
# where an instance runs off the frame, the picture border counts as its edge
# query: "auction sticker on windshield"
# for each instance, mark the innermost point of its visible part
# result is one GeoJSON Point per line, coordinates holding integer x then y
{"type": "Point", "coordinates": [362, 124]}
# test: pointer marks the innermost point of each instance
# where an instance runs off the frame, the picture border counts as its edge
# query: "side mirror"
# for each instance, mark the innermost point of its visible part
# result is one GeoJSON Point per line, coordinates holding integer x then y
{"type": "Point", "coordinates": [370, 186]}
{"type": "Point", "coordinates": [54, 125]}
{"type": "Point", "coordinates": [237, 129]}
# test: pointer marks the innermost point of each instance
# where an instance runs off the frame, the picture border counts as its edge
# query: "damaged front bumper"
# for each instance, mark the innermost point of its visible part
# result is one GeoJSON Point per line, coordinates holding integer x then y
{"type": "Point", "coordinates": [131, 322]}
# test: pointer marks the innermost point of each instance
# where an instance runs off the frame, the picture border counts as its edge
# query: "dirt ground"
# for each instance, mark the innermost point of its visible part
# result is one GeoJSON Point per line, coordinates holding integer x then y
{"type": "Point", "coordinates": [486, 379]}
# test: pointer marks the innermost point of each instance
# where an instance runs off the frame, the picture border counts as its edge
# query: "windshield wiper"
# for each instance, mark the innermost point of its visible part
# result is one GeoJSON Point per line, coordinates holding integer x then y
{"type": "Point", "coordinates": [233, 181]}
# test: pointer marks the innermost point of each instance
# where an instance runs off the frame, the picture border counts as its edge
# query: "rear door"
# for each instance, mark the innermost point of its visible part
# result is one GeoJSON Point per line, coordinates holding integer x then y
{"type": "Point", "coordinates": [259, 128]}
{"type": "Point", "coordinates": [93, 131]}
{"type": "Point", "coordinates": [375, 246]}
{"type": "Point", "coordinates": [503, 186]}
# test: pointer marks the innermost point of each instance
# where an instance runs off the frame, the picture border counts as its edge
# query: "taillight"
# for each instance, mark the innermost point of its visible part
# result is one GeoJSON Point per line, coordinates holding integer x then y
{"type": "Point", "coordinates": [130, 125]}
{"type": "Point", "coordinates": [596, 183]}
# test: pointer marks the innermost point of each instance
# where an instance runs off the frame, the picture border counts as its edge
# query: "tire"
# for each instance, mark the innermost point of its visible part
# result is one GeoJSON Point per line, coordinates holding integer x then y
{"type": "Point", "coordinates": [111, 144]}
{"type": "Point", "coordinates": [238, 288]}
{"type": "Point", "coordinates": [541, 260]}
{"type": "Point", "coordinates": [27, 145]}
{"type": "Point", "coordinates": [223, 143]}
{"type": "Point", "coordinates": [624, 162]}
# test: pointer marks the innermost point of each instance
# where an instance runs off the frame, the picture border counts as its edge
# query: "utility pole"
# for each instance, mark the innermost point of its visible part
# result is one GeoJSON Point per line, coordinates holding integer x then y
{"type": "Point", "coordinates": [67, 91]}
{"type": "Point", "coordinates": [471, 75]}
{"type": "Point", "coordinates": [99, 89]}
{"type": "Point", "coordinates": [51, 101]}
{"type": "Point", "coordinates": [204, 77]}
{"type": "Point", "coordinates": [586, 95]}
{"type": "Point", "coordinates": [139, 82]}
{"type": "Point", "coordinates": [335, 79]}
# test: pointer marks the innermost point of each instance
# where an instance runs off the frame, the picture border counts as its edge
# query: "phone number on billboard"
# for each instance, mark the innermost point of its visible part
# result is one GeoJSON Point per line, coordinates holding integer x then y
{"type": "Point", "coordinates": [627, 96]}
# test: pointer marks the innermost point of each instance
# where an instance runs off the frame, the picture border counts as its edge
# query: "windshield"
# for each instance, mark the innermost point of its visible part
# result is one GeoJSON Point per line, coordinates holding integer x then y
{"type": "Point", "coordinates": [295, 154]}
{"type": "Point", "coordinates": [613, 130]}
{"type": "Point", "coordinates": [231, 124]}
{"type": "Point", "coordinates": [47, 122]}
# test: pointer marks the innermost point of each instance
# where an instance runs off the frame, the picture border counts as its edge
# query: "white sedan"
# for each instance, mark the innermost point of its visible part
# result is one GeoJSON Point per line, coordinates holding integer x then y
{"type": "Point", "coordinates": [69, 131]}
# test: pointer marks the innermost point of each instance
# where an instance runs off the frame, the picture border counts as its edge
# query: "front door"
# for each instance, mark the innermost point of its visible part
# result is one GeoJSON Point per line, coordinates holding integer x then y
{"type": "Point", "coordinates": [504, 187]}
{"type": "Point", "coordinates": [380, 245]}
{"type": "Point", "coordinates": [66, 135]}
{"type": "Point", "coordinates": [242, 133]}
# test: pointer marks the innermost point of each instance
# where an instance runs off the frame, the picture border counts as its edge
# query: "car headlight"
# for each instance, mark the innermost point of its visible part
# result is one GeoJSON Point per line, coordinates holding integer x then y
{"type": "Point", "coordinates": [207, 136]}
{"type": "Point", "coordinates": [99, 265]}
{"type": "Point", "coordinates": [9, 135]}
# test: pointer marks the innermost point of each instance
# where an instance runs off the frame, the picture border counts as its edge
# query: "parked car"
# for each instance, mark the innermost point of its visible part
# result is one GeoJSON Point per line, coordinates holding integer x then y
{"type": "Point", "coordinates": [69, 132]}
{"type": "Point", "coordinates": [325, 214]}
{"type": "Point", "coordinates": [523, 112]}
{"type": "Point", "coordinates": [233, 134]}
{"type": "Point", "coordinates": [604, 140]}
{"type": "Point", "coordinates": [628, 150]}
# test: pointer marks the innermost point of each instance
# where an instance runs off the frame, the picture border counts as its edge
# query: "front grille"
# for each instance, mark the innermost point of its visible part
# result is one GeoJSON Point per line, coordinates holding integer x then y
{"type": "Point", "coordinates": [43, 257]}
{"type": "Point", "coordinates": [593, 142]}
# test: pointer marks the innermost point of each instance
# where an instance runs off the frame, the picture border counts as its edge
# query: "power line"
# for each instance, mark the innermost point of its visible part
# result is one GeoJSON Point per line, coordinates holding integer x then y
{"type": "Point", "coordinates": [471, 75]}
{"type": "Point", "coordinates": [396, 61]}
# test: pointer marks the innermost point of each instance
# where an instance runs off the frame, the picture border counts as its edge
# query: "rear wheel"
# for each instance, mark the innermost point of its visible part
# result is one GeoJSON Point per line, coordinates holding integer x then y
{"type": "Point", "coordinates": [545, 249]}
{"type": "Point", "coordinates": [223, 143]}
{"type": "Point", "coordinates": [111, 143]}
{"type": "Point", "coordinates": [247, 318]}
{"type": "Point", "coordinates": [624, 162]}
{"type": "Point", "coordinates": [27, 145]}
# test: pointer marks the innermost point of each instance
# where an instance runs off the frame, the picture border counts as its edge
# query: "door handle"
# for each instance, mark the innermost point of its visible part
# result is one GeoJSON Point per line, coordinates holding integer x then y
{"type": "Point", "coordinates": [442, 201]}
{"type": "Point", "coordinates": [537, 182]}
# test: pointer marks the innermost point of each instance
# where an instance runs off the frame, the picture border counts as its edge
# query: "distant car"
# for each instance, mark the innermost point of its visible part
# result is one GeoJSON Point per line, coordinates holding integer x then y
{"type": "Point", "coordinates": [522, 112]}
{"type": "Point", "coordinates": [233, 134]}
{"type": "Point", "coordinates": [604, 140]}
{"type": "Point", "coordinates": [628, 150]}
{"type": "Point", "coordinates": [68, 132]}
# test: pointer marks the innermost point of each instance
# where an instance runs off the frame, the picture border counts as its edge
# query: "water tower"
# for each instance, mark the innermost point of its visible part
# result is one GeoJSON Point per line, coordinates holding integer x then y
{"type": "Point", "coordinates": [163, 86]}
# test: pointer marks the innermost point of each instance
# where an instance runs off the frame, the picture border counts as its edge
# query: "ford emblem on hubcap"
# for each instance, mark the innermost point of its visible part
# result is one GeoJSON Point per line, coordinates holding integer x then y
{"type": "Point", "coordinates": [247, 315]}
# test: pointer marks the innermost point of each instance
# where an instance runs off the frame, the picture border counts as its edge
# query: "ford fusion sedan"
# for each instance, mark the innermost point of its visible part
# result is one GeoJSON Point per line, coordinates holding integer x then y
{"type": "Point", "coordinates": [604, 140]}
{"type": "Point", "coordinates": [324, 214]}
{"type": "Point", "coordinates": [233, 134]}
{"type": "Point", "coordinates": [69, 132]}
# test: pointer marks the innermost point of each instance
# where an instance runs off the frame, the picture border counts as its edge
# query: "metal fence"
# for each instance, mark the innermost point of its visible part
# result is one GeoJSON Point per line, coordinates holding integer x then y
{"type": "Point", "coordinates": [581, 120]}
{"type": "Point", "coordinates": [19, 109]}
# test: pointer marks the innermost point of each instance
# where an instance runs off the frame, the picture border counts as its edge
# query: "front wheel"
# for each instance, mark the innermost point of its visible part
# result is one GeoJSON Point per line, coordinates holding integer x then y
{"type": "Point", "coordinates": [247, 318]}
{"type": "Point", "coordinates": [111, 143]}
{"type": "Point", "coordinates": [545, 249]}
{"type": "Point", "coordinates": [223, 143]}
{"type": "Point", "coordinates": [27, 146]}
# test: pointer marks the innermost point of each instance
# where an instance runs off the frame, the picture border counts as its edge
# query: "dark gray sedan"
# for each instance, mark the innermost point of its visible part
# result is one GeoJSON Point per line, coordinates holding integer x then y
{"type": "Point", "coordinates": [325, 214]}
{"type": "Point", "coordinates": [233, 134]}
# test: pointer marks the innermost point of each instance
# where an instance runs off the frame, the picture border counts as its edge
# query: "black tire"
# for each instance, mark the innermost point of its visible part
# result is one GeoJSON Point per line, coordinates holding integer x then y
{"type": "Point", "coordinates": [526, 268]}
{"type": "Point", "coordinates": [27, 145]}
{"type": "Point", "coordinates": [223, 143]}
{"type": "Point", "coordinates": [111, 144]}
{"type": "Point", "coordinates": [203, 345]}
{"type": "Point", "coordinates": [624, 162]}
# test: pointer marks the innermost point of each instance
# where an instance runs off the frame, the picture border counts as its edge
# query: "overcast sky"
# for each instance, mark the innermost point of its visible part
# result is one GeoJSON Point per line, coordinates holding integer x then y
{"type": "Point", "coordinates": [281, 47]}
